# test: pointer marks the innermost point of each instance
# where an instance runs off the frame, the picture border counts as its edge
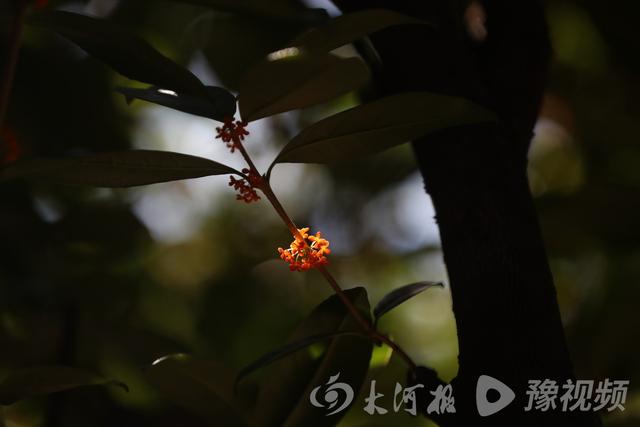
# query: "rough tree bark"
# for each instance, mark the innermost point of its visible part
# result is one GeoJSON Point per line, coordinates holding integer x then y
{"type": "Point", "coordinates": [504, 299]}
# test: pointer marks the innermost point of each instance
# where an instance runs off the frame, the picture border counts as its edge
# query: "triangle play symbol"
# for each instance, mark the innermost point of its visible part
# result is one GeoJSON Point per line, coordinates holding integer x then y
{"type": "Point", "coordinates": [486, 383]}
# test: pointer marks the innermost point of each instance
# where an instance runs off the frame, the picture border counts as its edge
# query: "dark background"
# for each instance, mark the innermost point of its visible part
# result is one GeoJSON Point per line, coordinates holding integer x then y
{"type": "Point", "coordinates": [110, 280]}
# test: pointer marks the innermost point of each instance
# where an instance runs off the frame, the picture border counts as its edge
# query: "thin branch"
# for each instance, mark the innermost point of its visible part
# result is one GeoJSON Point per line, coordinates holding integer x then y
{"type": "Point", "coordinates": [370, 329]}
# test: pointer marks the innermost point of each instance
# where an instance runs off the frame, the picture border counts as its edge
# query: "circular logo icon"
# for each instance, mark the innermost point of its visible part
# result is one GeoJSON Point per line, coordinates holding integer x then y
{"type": "Point", "coordinates": [337, 396]}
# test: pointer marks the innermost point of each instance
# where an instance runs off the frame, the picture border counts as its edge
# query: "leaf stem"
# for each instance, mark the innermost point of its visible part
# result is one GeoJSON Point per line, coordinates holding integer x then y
{"type": "Point", "coordinates": [370, 329]}
{"type": "Point", "coordinates": [11, 60]}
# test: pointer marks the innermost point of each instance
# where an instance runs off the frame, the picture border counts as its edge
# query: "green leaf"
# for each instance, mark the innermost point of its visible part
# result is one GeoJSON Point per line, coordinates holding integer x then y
{"type": "Point", "coordinates": [117, 169]}
{"type": "Point", "coordinates": [379, 125]}
{"type": "Point", "coordinates": [350, 27]}
{"type": "Point", "coordinates": [30, 382]}
{"type": "Point", "coordinates": [286, 350]}
{"type": "Point", "coordinates": [125, 52]}
{"type": "Point", "coordinates": [217, 106]}
{"type": "Point", "coordinates": [296, 82]}
{"type": "Point", "coordinates": [204, 387]}
{"type": "Point", "coordinates": [400, 295]}
{"type": "Point", "coordinates": [285, 388]}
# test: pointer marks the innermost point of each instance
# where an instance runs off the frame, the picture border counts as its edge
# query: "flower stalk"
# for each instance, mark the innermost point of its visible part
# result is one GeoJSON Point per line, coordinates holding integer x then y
{"type": "Point", "coordinates": [233, 133]}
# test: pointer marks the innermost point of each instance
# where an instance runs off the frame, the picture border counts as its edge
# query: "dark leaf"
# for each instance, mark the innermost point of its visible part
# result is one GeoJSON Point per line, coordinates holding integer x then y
{"type": "Point", "coordinates": [379, 125]}
{"type": "Point", "coordinates": [281, 10]}
{"type": "Point", "coordinates": [125, 52]}
{"type": "Point", "coordinates": [253, 39]}
{"type": "Point", "coordinates": [204, 387]}
{"type": "Point", "coordinates": [350, 27]}
{"type": "Point", "coordinates": [400, 295]}
{"type": "Point", "coordinates": [286, 350]}
{"type": "Point", "coordinates": [284, 393]}
{"type": "Point", "coordinates": [298, 81]}
{"type": "Point", "coordinates": [218, 105]}
{"type": "Point", "coordinates": [25, 383]}
{"type": "Point", "coordinates": [117, 169]}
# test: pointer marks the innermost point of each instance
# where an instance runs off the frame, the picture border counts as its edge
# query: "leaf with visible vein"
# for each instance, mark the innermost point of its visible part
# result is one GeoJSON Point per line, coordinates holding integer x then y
{"type": "Point", "coordinates": [284, 393]}
{"type": "Point", "coordinates": [287, 350]}
{"type": "Point", "coordinates": [217, 106]}
{"type": "Point", "coordinates": [300, 81]}
{"type": "Point", "coordinates": [117, 169]}
{"type": "Point", "coordinates": [379, 125]}
{"type": "Point", "coordinates": [123, 51]}
{"type": "Point", "coordinates": [41, 380]}
{"type": "Point", "coordinates": [400, 295]}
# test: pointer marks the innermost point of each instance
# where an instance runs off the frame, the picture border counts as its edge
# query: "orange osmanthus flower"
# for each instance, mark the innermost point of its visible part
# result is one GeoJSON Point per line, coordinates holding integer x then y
{"type": "Point", "coordinates": [307, 253]}
{"type": "Point", "coordinates": [232, 132]}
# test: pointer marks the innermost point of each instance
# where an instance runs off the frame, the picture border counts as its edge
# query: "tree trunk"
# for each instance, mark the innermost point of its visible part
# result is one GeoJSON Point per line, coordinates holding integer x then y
{"type": "Point", "coordinates": [504, 299]}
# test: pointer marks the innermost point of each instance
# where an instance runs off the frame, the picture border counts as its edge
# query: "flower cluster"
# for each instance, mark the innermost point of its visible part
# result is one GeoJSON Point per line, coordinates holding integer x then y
{"type": "Point", "coordinates": [246, 188]}
{"type": "Point", "coordinates": [253, 177]}
{"type": "Point", "coordinates": [232, 132]}
{"type": "Point", "coordinates": [307, 253]}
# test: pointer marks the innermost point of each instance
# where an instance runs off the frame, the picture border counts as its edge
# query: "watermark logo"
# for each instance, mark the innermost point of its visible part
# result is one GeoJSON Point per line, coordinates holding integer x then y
{"type": "Point", "coordinates": [581, 395]}
{"type": "Point", "coordinates": [543, 395]}
{"type": "Point", "coordinates": [441, 403]}
{"type": "Point", "coordinates": [486, 384]}
{"type": "Point", "coordinates": [334, 394]}
{"type": "Point", "coordinates": [338, 396]}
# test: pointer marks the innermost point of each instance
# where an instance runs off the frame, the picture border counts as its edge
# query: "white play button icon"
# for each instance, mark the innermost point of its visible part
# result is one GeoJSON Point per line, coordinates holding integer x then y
{"type": "Point", "coordinates": [485, 384]}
